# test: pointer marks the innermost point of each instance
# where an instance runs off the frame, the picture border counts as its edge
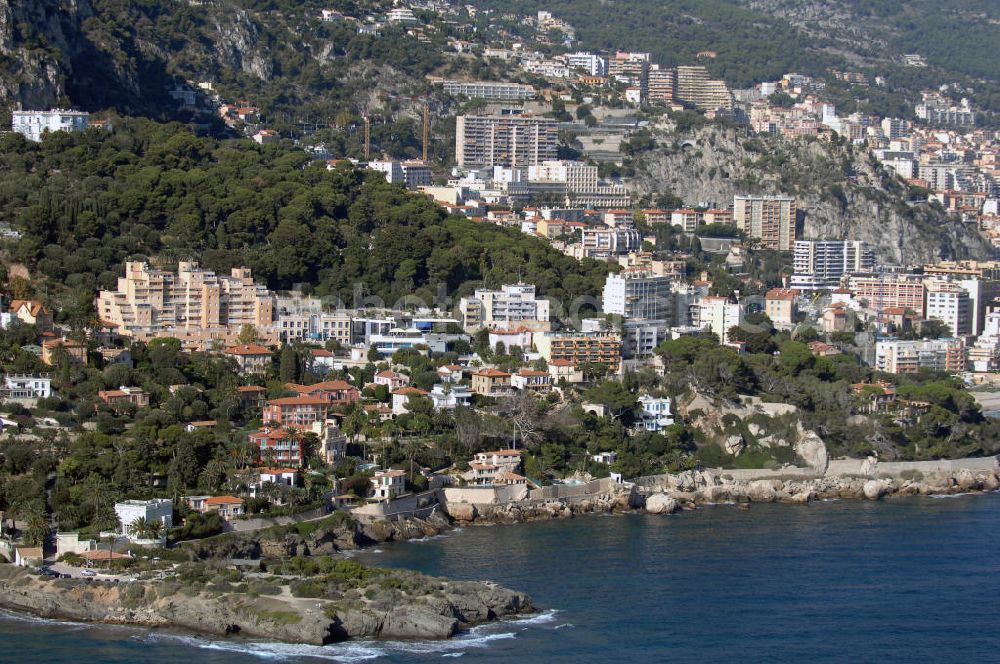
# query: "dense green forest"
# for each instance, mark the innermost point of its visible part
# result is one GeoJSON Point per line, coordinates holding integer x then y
{"type": "Point", "coordinates": [86, 202]}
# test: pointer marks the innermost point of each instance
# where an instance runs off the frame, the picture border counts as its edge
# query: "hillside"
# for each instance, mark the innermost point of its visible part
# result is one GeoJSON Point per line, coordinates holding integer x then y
{"type": "Point", "coordinates": [86, 202]}
{"type": "Point", "coordinates": [760, 40]}
{"type": "Point", "coordinates": [841, 191]}
{"type": "Point", "coordinates": [127, 55]}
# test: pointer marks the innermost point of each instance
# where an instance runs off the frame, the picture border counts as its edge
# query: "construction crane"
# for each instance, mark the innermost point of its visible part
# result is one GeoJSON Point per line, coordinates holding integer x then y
{"type": "Point", "coordinates": [368, 138]}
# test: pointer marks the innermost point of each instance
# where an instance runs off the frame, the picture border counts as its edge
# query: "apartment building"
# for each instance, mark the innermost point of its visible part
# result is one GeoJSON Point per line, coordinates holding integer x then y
{"type": "Point", "coordinates": [661, 86]}
{"type": "Point", "coordinates": [601, 241]}
{"type": "Point", "coordinates": [278, 445]}
{"type": "Point", "coordinates": [513, 303]}
{"type": "Point", "coordinates": [489, 90]}
{"type": "Point", "coordinates": [594, 65]}
{"type": "Point", "coordinates": [630, 66]}
{"type": "Point", "coordinates": [889, 290]}
{"type": "Point", "coordinates": [581, 348]}
{"type": "Point", "coordinates": [780, 306]}
{"type": "Point", "coordinates": [719, 315]}
{"type": "Point", "coordinates": [151, 302]}
{"type": "Point", "coordinates": [949, 303]}
{"type": "Point", "coordinates": [695, 88]}
{"type": "Point", "coordinates": [770, 219]}
{"type": "Point", "coordinates": [299, 411]}
{"type": "Point", "coordinates": [638, 294]}
{"type": "Point", "coordinates": [578, 176]}
{"type": "Point", "coordinates": [821, 264]}
{"type": "Point", "coordinates": [686, 219]}
{"type": "Point", "coordinates": [505, 140]}
{"type": "Point", "coordinates": [35, 124]}
{"type": "Point", "coordinates": [903, 357]}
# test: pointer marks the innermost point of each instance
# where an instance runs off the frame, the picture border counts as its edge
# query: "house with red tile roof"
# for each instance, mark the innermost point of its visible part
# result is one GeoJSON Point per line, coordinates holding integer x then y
{"type": "Point", "coordinates": [299, 412]}
{"type": "Point", "coordinates": [250, 358]}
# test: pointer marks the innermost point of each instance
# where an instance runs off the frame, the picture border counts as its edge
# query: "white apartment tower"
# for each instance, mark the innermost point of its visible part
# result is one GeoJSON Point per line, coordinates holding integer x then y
{"type": "Point", "coordinates": [820, 264]}
{"type": "Point", "coordinates": [639, 294]}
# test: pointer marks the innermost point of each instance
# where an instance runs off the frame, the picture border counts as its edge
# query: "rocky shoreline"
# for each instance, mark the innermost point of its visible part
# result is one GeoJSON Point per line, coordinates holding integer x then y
{"type": "Point", "coordinates": [439, 613]}
{"type": "Point", "coordinates": [667, 494]}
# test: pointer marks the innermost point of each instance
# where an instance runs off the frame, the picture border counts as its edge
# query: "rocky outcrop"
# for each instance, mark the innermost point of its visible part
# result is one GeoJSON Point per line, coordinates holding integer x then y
{"type": "Point", "coordinates": [338, 532]}
{"type": "Point", "coordinates": [661, 504]}
{"type": "Point", "coordinates": [840, 190]}
{"type": "Point", "coordinates": [691, 489]}
{"type": "Point", "coordinates": [440, 615]}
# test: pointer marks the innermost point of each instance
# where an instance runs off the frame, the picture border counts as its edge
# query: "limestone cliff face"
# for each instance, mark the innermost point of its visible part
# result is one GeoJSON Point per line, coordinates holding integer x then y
{"type": "Point", "coordinates": [841, 191]}
{"type": "Point", "coordinates": [95, 55]}
{"type": "Point", "coordinates": [33, 35]}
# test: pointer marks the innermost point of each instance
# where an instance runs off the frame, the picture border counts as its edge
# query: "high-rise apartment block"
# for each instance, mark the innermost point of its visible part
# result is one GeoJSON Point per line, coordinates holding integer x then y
{"type": "Point", "coordinates": [695, 88]}
{"type": "Point", "coordinates": [908, 357]}
{"type": "Point", "coordinates": [638, 294]}
{"type": "Point", "coordinates": [514, 303]}
{"type": "Point", "coordinates": [593, 64]}
{"type": "Point", "coordinates": [505, 140]}
{"type": "Point", "coordinates": [770, 219]}
{"type": "Point", "coordinates": [661, 86]}
{"type": "Point", "coordinates": [820, 264]}
{"type": "Point", "coordinates": [579, 176]}
{"type": "Point", "coordinates": [883, 291]}
{"type": "Point", "coordinates": [150, 302]}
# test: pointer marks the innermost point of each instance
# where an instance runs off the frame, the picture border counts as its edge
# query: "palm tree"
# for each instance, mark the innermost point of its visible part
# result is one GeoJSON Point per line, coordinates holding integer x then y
{"type": "Point", "coordinates": [155, 529]}
{"type": "Point", "coordinates": [37, 529]}
{"type": "Point", "coordinates": [139, 527]}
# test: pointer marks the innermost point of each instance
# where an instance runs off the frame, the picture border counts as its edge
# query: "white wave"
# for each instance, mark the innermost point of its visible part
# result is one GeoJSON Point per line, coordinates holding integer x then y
{"type": "Point", "coordinates": [14, 616]}
{"type": "Point", "coordinates": [570, 625]}
{"type": "Point", "coordinates": [537, 619]}
{"type": "Point", "coordinates": [453, 654]}
{"type": "Point", "coordinates": [954, 495]}
{"type": "Point", "coordinates": [430, 538]}
{"type": "Point", "coordinates": [346, 653]}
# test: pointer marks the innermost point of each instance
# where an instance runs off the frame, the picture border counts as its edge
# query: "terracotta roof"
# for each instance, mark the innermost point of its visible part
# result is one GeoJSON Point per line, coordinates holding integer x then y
{"type": "Point", "coordinates": [320, 352]}
{"type": "Point", "coordinates": [491, 373]}
{"type": "Point", "coordinates": [532, 372]}
{"type": "Point", "coordinates": [98, 554]}
{"type": "Point", "coordinates": [203, 423]}
{"type": "Point", "coordinates": [300, 400]}
{"type": "Point", "coordinates": [276, 471]}
{"type": "Point", "coordinates": [34, 306]}
{"type": "Point", "coordinates": [505, 452]}
{"type": "Point", "coordinates": [223, 500]}
{"type": "Point", "coordinates": [325, 386]}
{"type": "Point", "coordinates": [247, 349]}
{"type": "Point", "coordinates": [410, 390]}
{"type": "Point", "coordinates": [250, 388]}
{"type": "Point", "coordinates": [560, 363]}
{"type": "Point", "coordinates": [781, 294]}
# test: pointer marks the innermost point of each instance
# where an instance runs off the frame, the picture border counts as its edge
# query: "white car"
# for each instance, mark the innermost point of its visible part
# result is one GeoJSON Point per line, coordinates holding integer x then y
{"type": "Point", "coordinates": [88, 572]}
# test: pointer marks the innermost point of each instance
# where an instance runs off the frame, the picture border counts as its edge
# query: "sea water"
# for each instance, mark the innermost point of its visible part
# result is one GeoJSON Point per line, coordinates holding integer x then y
{"type": "Point", "coordinates": [914, 579]}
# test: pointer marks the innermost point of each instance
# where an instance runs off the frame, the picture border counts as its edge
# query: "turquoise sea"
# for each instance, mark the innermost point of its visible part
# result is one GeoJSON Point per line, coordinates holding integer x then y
{"type": "Point", "coordinates": [914, 580]}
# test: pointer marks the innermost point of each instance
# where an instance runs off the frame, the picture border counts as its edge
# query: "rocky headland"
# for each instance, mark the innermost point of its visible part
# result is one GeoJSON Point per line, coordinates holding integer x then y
{"type": "Point", "coordinates": [394, 605]}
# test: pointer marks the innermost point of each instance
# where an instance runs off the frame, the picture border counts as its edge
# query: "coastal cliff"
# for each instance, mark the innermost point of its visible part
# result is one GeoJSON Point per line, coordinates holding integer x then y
{"type": "Point", "coordinates": [404, 605]}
